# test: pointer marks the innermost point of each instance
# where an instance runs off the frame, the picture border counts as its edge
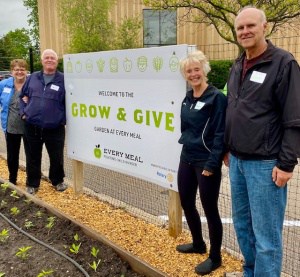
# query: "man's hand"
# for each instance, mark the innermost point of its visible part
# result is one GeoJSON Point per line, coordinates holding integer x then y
{"type": "Point", "coordinates": [281, 177]}
{"type": "Point", "coordinates": [226, 159]}
{"type": "Point", "coordinates": [206, 173]}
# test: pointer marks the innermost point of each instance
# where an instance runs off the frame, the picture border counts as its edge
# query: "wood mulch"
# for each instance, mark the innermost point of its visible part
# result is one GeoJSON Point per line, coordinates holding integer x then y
{"type": "Point", "coordinates": [147, 241]}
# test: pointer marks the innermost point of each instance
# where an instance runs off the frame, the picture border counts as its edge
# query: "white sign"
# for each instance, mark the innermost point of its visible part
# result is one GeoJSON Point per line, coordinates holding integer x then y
{"type": "Point", "coordinates": [123, 110]}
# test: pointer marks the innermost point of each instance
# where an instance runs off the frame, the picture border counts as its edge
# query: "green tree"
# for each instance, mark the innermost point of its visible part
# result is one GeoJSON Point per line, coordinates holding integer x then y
{"type": "Point", "coordinates": [34, 31]}
{"type": "Point", "coordinates": [128, 33]}
{"type": "Point", "coordinates": [15, 44]}
{"type": "Point", "coordinates": [90, 28]}
{"type": "Point", "coordinates": [33, 21]}
{"type": "Point", "coordinates": [221, 13]}
{"type": "Point", "coordinates": [88, 24]}
{"type": "Point", "coordinates": [4, 60]}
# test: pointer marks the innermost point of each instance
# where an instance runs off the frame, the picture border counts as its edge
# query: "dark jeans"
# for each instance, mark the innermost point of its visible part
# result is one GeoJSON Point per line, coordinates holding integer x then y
{"type": "Point", "coordinates": [54, 140]}
{"type": "Point", "coordinates": [13, 144]}
{"type": "Point", "coordinates": [189, 178]}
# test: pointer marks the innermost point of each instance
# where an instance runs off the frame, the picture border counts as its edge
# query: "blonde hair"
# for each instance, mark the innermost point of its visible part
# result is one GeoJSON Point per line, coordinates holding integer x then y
{"type": "Point", "coordinates": [18, 62]}
{"type": "Point", "coordinates": [195, 56]}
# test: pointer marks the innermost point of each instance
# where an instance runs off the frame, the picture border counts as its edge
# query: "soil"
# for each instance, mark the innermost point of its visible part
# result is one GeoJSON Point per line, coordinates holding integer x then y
{"type": "Point", "coordinates": [151, 243]}
{"type": "Point", "coordinates": [60, 236]}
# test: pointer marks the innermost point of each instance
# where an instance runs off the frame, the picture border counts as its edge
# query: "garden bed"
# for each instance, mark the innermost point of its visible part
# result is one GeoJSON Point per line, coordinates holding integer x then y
{"type": "Point", "coordinates": [148, 248]}
{"type": "Point", "coordinates": [94, 257]}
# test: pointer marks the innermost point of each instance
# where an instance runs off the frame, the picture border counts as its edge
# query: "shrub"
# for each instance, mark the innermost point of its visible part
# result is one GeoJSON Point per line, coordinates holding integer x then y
{"type": "Point", "coordinates": [219, 73]}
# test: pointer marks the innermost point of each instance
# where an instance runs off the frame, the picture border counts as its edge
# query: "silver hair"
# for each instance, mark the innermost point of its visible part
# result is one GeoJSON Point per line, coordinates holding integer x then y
{"type": "Point", "coordinates": [49, 51]}
{"type": "Point", "coordinates": [262, 13]}
{"type": "Point", "coordinates": [195, 56]}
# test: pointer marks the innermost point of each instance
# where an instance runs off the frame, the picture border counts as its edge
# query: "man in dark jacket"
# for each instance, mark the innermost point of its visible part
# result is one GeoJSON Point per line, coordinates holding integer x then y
{"type": "Point", "coordinates": [42, 106]}
{"type": "Point", "coordinates": [262, 135]}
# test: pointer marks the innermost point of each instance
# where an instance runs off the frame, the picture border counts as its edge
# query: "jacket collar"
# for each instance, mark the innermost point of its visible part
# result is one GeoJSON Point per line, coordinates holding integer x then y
{"type": "Point", "coordinates": [267, 55]}
{"type": "Point", "coordinates": [209, 89]}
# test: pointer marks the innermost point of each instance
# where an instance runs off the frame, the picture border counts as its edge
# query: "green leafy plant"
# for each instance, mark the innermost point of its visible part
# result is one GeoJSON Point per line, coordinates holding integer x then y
{"type": "Point", "coordinates": [94, 265]}
{"type": "Point", "coordinates": [3, 203]}
{"type": "Point", "coordinates": [4, 186]}
{"type": "Point", "coordinates": [94, 252]}
{"type": "Point", "coordinates": [45, 273]}
{"type": "Point", "coordinates": [14, 211]}
{"type": "Point", "coordinates": [28, 224]}
{"type": "Point", "coordinates": [39, 214]}
{"type": "Point", "coordinates": [4, 235]}
{"type": "Point", "coordinates": [14, 194]}
{"type": "Point", "coordinates": [2, 274]}
{"type": "Point", "coordinates": [219, 72]}
{"type": "Point", "coordinates": [75, 248]}
{"type": "Point", "coordinates": [23, 252]}
{"type": "Point", "coordinates": [51, 222]}
{"type": "Point", "coordinates": [76, 237]}
{"type": "Point", "coordinates": [27, 201]}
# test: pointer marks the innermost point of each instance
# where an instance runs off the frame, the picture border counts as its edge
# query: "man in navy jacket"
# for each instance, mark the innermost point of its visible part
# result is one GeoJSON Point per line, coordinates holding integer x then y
{"type": "Point", "coordinates": [42, 106]}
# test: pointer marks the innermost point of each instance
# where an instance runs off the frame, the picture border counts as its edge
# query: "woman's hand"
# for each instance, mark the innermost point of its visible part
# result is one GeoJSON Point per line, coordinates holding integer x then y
{"type": "Point", "coordinates": [25, 99]}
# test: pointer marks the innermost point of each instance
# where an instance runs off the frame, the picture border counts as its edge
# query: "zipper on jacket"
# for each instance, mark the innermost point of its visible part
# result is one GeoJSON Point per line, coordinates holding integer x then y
{"type": "Point", "coordinates": [193, 103]}
{"type": "Point", "coordinates": [249, 71]}
{"type": "Point", "coordinates": [203, 135]}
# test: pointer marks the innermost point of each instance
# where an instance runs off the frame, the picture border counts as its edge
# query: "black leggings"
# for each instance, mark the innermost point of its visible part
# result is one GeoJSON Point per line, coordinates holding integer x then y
{"type": "Point", "coordinates": [189, 177]}
{"type": "Point", "coordinates": [13, 144]}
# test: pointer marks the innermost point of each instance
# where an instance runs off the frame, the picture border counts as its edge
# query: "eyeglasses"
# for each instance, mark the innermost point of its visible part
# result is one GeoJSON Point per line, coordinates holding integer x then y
{"type": "Point", "coordinates": [19, 70]}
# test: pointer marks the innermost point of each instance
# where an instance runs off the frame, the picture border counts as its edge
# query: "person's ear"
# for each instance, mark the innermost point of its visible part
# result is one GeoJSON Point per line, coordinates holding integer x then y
{"type": "Point", "coordinates": [265, 25]}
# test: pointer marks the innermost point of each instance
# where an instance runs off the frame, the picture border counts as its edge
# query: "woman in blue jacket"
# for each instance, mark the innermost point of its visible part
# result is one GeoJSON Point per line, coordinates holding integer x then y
{"type": "Point", "coordinates": [12, 124]}
{"type": "Point", "coordinates": [202, 134]}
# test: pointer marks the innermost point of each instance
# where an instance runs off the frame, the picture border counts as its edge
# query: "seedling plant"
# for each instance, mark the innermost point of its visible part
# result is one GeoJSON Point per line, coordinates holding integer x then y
{"type": "Point", "coordinates": [27, 201]}
{"type": "Point", "coordinates": [28, 224]}
{"type": "Point", "coordinates": [39, 214]}
{"type": "Point", "coordinates": [4, 235]}
{"type": "Point", "coordinates": [14, 194]}
{"type": "Point", "coordinates": [14, 211]}
{"type": "Point", "coordinates": [75, 247]}
{"type": "Point", "coordinates": [50, 224]}
{"type": "Point", "coordinates": [95, 252]}
{"type": "Point", "coordinates": [3, 203]}
{"type": "Point", "coordinates": [23, 252]}
{"type": "Point", "coordinates": [4, 187]}
{"type": "Point", "coordinates": [94, 265]}
{"type": "Point", "coordinates": [45, 273]}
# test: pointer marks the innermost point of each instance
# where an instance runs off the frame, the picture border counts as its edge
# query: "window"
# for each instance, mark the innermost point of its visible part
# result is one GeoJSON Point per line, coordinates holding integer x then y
{"type": "Point", "coordinates": [160, 27]}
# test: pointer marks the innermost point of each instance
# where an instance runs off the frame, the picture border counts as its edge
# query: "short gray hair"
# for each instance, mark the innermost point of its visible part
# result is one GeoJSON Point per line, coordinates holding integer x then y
{"type": "Point", "coordinates": [195, 56]}
{"type": "Point", "coordinates": [49, 51]}
{"type": "Point", "coordinates": [262, 13]}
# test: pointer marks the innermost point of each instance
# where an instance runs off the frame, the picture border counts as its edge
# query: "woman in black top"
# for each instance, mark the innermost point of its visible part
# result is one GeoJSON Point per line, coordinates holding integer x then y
{"type": "Point", "coordinates": [202, 134]}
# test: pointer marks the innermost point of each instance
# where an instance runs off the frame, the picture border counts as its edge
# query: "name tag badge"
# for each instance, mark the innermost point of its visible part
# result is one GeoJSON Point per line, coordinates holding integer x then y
{"type": "Point", "coordinates": [258, 77]}
{"type": "Point", "coordinates": [199, 105]}
{"type": "Point", "coordinates": [7, 90]}
{"type": "Point", "coordinates": [54, 87]}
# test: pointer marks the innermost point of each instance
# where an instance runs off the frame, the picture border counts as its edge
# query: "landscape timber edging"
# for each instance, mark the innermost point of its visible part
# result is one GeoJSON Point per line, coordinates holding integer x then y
{"type": "Point", "coordinates": [137, 264]}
